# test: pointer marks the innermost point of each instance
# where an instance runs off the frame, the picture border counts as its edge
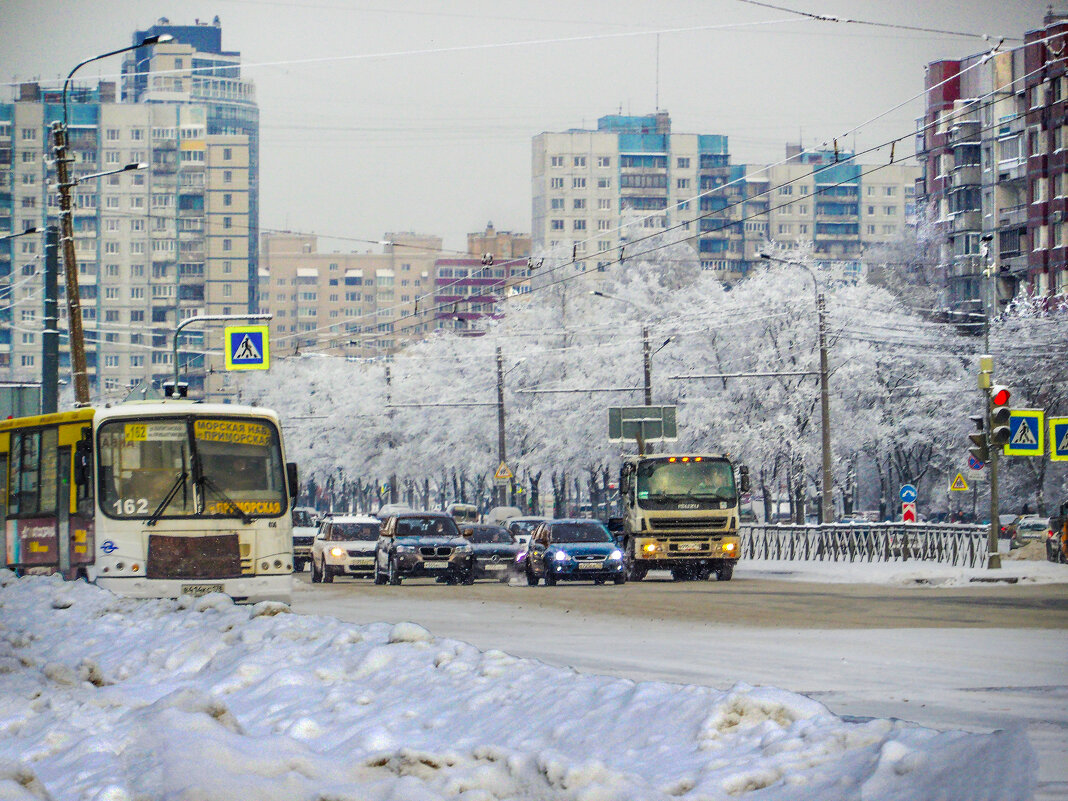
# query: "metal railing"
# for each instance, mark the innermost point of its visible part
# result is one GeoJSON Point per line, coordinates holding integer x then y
{"type": "Point", "coordinates": [948, 543]}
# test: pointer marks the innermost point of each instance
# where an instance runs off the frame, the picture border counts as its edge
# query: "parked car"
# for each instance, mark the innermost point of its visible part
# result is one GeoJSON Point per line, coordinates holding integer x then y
{"type": "Point", "coordinates": [1029, 528]}
{"type": "Point", "coordinates": [1057, 536]}
{"type": "Point", "coordinates": [344, 546]}
{"type": "Point", "coordinates": [305, 527]}
{"type": "Point", "coordinates": [417, 544]}
{"type": "Point", "coordinates": [1006, 526]}
{"type": "Point", "coordinates": [462, 512]}
{"type": "Point", "coordinates": [495, 550]}
{"type": "Point", "coordinates": [574, 549]}
{"type": "Point", "coordinates": [522, 527]}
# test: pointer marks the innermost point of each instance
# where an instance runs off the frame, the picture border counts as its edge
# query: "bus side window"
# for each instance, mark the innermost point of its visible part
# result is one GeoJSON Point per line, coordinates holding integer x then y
{"type": "Point", "coordinates": [3, 488]}
{"type": "Point", "coordinates": [83, 473]}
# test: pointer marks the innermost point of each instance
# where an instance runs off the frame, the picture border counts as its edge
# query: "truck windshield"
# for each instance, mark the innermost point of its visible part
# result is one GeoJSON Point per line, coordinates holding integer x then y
{"type": "Point", "coordinates": [673, 479]}
{"type": "Point", "coordinates": [190, 467]}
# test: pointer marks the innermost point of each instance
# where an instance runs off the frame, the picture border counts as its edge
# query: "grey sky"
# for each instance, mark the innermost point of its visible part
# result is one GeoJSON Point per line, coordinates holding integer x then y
{"type": "Point", "coordinates": [390, 116]}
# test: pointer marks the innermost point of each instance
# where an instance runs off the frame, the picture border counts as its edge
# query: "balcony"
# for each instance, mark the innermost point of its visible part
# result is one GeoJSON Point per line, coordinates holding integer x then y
{"type": "Point", "coordinates": [1013, 216]}
{"type": "Point", "coordinates": [1012, 170]}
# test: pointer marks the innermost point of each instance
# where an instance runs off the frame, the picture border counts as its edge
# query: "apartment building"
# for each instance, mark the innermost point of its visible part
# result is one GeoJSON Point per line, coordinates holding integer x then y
{"type": "Point", "coordinates": [351, 304]}
{"type": "Point", "coordinates": [992, 147]}
{"type": "Point", "coordinates": [153, 246]}
{"type": "Point", "coordinates": [596, 195]}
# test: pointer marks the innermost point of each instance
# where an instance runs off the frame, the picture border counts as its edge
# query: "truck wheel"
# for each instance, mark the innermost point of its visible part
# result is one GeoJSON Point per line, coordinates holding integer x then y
{"type": "Point", "coordinates": [724, 573]}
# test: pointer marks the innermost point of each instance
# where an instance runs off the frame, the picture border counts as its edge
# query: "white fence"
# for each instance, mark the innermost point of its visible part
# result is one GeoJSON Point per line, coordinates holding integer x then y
{"type": "Point", "coordinates": [953, 544]}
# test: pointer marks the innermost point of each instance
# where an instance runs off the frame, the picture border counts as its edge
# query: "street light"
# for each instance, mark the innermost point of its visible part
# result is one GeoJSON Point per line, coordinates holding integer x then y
{"type": "Point", "coordinates": [79, 371]}
{"type": "Point", "coordinates": [826, 500]}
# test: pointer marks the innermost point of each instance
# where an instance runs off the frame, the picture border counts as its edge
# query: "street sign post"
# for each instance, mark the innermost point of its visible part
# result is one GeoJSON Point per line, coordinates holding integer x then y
{"type": "Point", "coordinates": [645, 422]}
{"type": "Point", "coordinates": [503, 475]}
{"type": "Point", "coordinates": [1058, 439]}
{"type": "Point", "coordinates": [1026, 437]}
{"type": "Point", "coordinates": [976, 467]}
{"type": "Point", "coordinates": [247, 347]}
{"type": "Point", "coordinates": [908, 512]}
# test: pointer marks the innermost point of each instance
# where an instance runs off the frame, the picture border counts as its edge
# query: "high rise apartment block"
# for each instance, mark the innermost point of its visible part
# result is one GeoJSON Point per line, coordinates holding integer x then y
{"type": "Point", "coordinates": [154, 246]}
{"type": "Point", "coordinates": [992, 144]}
{"type": "Point", "coordinates": [597, 193]}
{"type": "Point", "coordinates": [351, 304]}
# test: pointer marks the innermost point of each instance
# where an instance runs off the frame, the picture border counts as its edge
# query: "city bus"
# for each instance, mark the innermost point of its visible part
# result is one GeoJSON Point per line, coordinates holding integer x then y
{"type": "Point", "coordinates": [151, 499]}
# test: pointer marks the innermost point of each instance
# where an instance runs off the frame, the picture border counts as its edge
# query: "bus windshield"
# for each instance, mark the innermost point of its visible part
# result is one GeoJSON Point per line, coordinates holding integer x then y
{"type": "Point", "coordinates": [674, 479]}
{"type": "Point", "coordinates": [191, 467]}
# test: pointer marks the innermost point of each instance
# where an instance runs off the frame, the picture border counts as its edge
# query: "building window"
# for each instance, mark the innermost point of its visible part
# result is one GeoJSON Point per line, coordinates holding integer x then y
{"type": "Point", "coordinates": [604, 183]}
{"type": "Point", "coordinates": [683, 163]}
{"type": "Point", "coordinates": [227, 244]}
{"type": "Point", "coordinates": [228, 199]}
{"type": "Point", "coordinates": [604, 203]}
{"type": "Point", "coordinates": [579, 225]}
{"type": "Point", "coordinates": [228, 222]}
{"type": "Point", "coordinates": [228, 154]}
{"type": "Point", "coordinates": [228, 176]}
{"type": "Point", "coordinates": [556, 225]}
{"type": "Point", "coordinates": [580, 161]}
{"type": "Point", "coordinates": [604, 161]}
{"type": "Point", "coordinates": [580, 203]}
{"type": "Point", "coordinates": [682, 183]}
{"type": "Point", "coordinates": [556, 161]}
{"type": "Point", "coordinates": [578, 183]}
{"type": "Point", "coordinates": [556, 203]}
{"type": "Point", "coordinates": [557, 183]}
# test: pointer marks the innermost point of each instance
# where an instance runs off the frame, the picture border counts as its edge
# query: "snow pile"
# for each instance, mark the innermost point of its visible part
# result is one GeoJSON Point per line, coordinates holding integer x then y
{"type": "Point", "coordinates": [112, 699]}
{"type": "Point", "coordinates": [913, 573]}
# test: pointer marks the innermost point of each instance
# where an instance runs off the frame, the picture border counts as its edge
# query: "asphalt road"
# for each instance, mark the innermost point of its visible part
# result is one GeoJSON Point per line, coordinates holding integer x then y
{"type": "Point", "coordinates": [763, 603]}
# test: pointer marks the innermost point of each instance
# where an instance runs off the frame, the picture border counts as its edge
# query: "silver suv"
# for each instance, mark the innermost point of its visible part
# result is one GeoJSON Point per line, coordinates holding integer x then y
{"type": "Point", "coordinates": [423, 544]}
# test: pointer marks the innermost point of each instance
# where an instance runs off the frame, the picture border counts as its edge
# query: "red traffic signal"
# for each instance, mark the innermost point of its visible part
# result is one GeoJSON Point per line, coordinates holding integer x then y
{"type": "Point", "coordinates": [999, 414]}
{"type": "Point", "coordinates": [999, 395]}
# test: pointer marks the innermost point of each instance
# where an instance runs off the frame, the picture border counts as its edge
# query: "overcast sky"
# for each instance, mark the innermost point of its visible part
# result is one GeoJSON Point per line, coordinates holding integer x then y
{"type": "Point", "coordinates": [381, 115]}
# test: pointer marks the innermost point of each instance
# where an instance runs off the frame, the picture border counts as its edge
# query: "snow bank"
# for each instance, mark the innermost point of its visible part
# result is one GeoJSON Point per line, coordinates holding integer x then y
{"type": "Point", "coordinates": [906, 574]}
{"type": "Point", "coordinates": [112, 699]}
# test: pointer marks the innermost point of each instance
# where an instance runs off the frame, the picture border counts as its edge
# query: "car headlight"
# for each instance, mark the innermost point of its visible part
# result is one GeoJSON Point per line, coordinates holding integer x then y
{"type": "Point", "coordinates": [615, 556]}
{"type": "Point", "coordinates": [338, 552]}
{"type": "Point", "coordinates": [463, 548]}
{"type": "Point", "coordinates": [561, 556]}
{"type": "Point", "coordinates": [403, 548]}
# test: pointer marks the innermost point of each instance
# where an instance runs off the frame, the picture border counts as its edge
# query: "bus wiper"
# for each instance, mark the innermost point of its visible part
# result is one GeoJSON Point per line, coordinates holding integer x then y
{"type": "Point", "coordinates": [208, 482]}
{"type": "Point", "coordinates": [179, 483]}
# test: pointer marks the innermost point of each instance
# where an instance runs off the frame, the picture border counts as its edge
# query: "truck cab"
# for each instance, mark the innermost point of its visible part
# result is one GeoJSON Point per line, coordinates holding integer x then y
{"type": "Point", "coordinates": [680, 513]}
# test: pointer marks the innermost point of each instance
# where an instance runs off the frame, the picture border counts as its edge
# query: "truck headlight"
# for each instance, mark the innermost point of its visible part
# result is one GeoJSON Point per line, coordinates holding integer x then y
{"type": "Point", "coordinates": [651, 547]}
{"type": "Point", "coordinates": [729, 547]}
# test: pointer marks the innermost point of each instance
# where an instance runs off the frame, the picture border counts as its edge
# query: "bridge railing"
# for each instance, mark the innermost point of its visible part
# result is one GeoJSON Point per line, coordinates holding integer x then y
{"type": "Point", "coordinates": [947, 543]}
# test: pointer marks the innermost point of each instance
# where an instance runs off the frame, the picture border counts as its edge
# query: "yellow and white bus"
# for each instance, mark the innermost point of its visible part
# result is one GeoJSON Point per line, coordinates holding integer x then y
{"type": "Point", "coordinates": [151, 499]}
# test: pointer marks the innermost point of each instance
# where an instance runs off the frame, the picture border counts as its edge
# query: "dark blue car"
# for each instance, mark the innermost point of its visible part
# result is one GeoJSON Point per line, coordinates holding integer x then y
{"type": "Point", "coordinates": [571, 550]}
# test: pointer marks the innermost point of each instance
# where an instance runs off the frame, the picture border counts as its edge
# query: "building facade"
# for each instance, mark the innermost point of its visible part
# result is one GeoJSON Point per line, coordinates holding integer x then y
{"type": "Point", "coordinates": [153, 246]}
{"type": "Point", "coordinates": [596, 196]}
{"type": "Point", "coordinates": [360, 305]}
{"type": "Point", "coordinates": [992, 147]}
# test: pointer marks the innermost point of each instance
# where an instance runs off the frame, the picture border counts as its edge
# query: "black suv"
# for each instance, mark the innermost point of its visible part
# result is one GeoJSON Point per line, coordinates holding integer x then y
{"type": "Point", "coordinates": [423, 544]}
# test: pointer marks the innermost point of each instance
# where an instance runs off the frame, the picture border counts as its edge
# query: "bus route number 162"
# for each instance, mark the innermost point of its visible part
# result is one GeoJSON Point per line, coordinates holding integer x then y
{"type": "Point", "coordinates": [131, 506]}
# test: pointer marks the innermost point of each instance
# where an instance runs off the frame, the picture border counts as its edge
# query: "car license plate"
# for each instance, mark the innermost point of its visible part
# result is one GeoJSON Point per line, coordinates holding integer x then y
{"type": "Point", "coordinates": [197, 590]}
{"type": "Point", "coordinates": [363, 560]}
{"type": "Point", "coordinates": [590, 565]}
{"type": "Point", "coordinates": [690, 546]}
{"type": "Point", "coordinates": [492, 566]}
{"type": "Point", "coordinates": [435, 565]}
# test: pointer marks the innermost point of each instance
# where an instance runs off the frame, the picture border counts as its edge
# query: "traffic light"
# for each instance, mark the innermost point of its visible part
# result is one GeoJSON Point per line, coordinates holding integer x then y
{"type": "Point", "coordinates": [999, 415]}
{"type": "Point", "coordinates": [980, 450]}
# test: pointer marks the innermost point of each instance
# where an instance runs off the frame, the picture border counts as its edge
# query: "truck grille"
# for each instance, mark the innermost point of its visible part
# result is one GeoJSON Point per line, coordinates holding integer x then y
{"type": "Point", "coordinates": [686, 523]}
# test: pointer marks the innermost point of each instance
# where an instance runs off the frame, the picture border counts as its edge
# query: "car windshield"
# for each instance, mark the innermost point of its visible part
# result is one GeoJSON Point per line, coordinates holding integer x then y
{"type": "Point", "coordinates": [354, 531]}
{"type": "Point", "coordinates": [523, 528]}
{"type": "Point", "coordinates": [490, 534]}
{"type": "Point", "coordinates": [1033, 525]}
{"type": "Point", "coordinates": [426, 527]}
{"type": "Point", "coordinates": [580, 532]}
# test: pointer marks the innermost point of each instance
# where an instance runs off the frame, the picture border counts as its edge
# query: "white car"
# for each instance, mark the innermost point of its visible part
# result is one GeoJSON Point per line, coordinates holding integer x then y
{"type": "Point", "coordinates": [522, 527]}
{"type": "Point", "coordinates": [344, 546]}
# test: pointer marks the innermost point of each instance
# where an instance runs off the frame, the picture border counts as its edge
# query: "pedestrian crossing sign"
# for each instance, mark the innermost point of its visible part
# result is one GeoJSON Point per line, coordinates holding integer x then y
{"type": "Point", "coordinates": [1058, 439]}
{"type": "Point", "coordinates": [1026, 437]}
{"type": "Point", "coordinates": [247, 347]}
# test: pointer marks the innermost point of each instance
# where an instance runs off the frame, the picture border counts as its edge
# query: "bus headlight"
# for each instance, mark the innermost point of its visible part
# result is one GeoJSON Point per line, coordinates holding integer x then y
{"type": "Point", "coordinates": [730, 547]}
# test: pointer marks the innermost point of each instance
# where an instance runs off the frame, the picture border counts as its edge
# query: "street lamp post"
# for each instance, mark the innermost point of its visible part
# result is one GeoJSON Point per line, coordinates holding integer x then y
{"type": "Point", "coordinates": [826, 497]}
{"type": "Point", "coordinates": [79, 371]}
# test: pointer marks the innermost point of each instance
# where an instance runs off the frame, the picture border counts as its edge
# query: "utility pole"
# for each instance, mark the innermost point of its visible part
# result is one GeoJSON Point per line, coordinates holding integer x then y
{"type": "Point", "coordinates": [826, 497]}
{"type": "Point", "coordinates": [79, 371]}
{"type": "Point", "coordinates": [50, 335]}
{"type": "Point", "coordinates": [646, 363]}
{"type": "Point", "coordinates": [501, 452]}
